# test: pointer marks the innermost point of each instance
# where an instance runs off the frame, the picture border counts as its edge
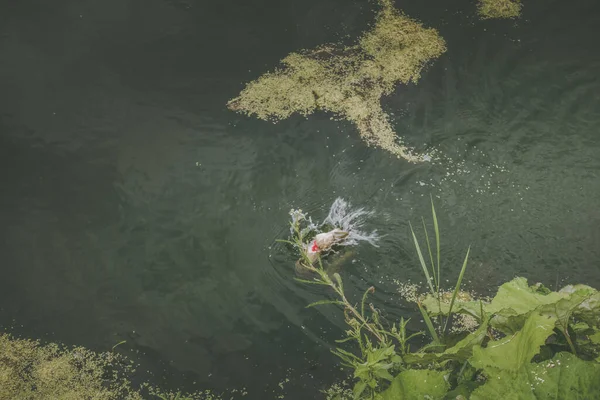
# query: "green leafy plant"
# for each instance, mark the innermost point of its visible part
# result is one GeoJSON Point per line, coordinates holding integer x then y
{"type": "Point", "coordinates": [528, 342]}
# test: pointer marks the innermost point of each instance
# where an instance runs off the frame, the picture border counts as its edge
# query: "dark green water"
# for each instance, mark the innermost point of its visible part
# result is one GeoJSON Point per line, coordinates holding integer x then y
{"type": "Point", "coordinates": [136, 207]}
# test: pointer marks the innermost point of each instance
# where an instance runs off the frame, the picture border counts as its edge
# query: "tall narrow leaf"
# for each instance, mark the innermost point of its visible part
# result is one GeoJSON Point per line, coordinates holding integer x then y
{"type": "Point", "coordinates": [457, 288]}
{"type": "Point", "coordinates": [429, 324]}
{"type": "Point", "coordinates": [435, 280]}
{"type": "Point", "coordinates": [423, 265]}
{"type": "Point", "coordinates": [437, 240]}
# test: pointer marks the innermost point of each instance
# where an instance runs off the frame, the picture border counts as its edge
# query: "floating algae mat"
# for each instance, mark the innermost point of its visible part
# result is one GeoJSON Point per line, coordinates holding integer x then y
{"type": "Point", "coordinates": [499, 8]}
{"type": "Point", "coordinates": [349, 81]}
{"type": "Point", "coordinates": [29, 370]}
{"type": "Point", "coordinates": [35, 371]}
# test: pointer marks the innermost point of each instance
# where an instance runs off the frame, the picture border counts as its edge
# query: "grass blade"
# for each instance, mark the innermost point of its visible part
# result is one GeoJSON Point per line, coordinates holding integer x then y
{"type": "Point", "coordinates": [437, 240]}
{"type": "Point", "coordinates": [457, 288]}
{"type": "Point", "coordinates": [429, 324]}
{"type": "Point", "coordinates": [435, 280]}
{"type": "Point", "coordinates": [423, 265]}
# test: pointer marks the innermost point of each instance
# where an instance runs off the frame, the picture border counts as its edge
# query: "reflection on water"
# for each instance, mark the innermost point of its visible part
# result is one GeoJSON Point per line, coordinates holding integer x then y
{"type": "Point", "coordinates": [136, 207]}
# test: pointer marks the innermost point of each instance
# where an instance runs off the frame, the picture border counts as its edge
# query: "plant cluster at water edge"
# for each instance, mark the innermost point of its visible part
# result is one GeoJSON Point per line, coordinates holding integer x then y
{"type": "Point", "coordinates": [526, 342]}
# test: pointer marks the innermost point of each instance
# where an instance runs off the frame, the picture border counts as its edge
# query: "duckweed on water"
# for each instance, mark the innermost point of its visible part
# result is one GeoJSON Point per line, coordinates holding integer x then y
{"type": "Point", "coordinates": [34, 371]}
{"type": "Point", "coordinates": [29, 370]}
{"type": "Point", "coordinates": [349, 81]}
{"type": "Point", "coordinates": [499, 8]}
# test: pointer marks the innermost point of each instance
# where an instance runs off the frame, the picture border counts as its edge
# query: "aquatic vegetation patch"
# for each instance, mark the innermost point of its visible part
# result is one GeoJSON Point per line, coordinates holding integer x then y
{"type": "Point", "coordinates": [499, 8]}
{"type": "Point", "coordinates": [29, 370]}
{"type": "Point", "coordinates": [34, 371]}
{"type": "Point", "coordinates": [348, 81]}
{"type": "Point", "coordinates": [526, 342]}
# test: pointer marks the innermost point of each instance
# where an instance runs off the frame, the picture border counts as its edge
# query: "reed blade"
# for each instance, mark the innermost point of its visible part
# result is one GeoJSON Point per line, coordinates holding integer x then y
{"type": "Point", "coordinates": [429, 324]}
{"type": "Point", "coordinates": [422, 260]}
{"type": "Point", "coordinates": [457, 288]}
{"type": "Point", "coordinates": [437, 240]}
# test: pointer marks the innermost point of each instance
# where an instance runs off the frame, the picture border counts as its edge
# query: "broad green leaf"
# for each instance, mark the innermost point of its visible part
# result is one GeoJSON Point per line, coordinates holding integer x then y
{"type": "Point", "coordinates": [471, 307]}
{"type": "Point", "coordinates": [565, 308]}
{"type": "Point", "coordinates": [516, 300]}
{"type": "Point", "coordinates": [463, 390]}
{"type": "Point", "coordinates": [517, 296]}
{"type": "Point", "coordinates": [416, 384]}
{"type": "Point", "coordinates": [512, 352]}
{"type": "Point", "coordinates": [461, 351]}
{"type": "Point", "coordinates": [589, 310]}
{"type": "Point", "coordinates": [581, 327]}
{"type": "Point", "coordinates": [595, 338]}
{"type": "Point", "coordinates": [577, 288]}
{"type": "Point", "coordinates": [563, 377]}
{"type": "Point", "coordinates": [503, 384]}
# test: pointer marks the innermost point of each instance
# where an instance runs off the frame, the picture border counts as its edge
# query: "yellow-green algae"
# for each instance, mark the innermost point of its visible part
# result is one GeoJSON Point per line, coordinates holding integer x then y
{"type": "Point", "coordinates": [30, 370]}
{"type": "Point", "coordinates": [499, 8]}
{"type": "Point", "coordinates": [348, 81]}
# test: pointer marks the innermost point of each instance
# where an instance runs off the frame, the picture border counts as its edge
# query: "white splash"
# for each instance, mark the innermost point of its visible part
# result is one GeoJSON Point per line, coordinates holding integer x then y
{"type": "Point", "coordinates": [342, 216]}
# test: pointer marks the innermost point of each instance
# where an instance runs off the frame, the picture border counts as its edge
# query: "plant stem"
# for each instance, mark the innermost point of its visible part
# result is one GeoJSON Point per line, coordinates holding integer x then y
{"type": "Point", "coordinates": [569, 341]}
{"type": "Point", "coordinates": [357, 315]}
{"type": "Point", "coordinates": [326, 279]}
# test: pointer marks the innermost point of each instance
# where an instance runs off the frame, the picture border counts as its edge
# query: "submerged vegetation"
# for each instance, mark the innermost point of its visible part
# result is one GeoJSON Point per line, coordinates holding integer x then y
{"type": "Point", "coordinates": [526, 342]}
{"type": "Point", "coordinates": [499, 8]}
{"type": "Point", "coordinates": [348, 81]}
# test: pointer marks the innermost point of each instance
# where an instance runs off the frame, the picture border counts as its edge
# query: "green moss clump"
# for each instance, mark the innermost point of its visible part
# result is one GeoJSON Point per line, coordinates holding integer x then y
{"type": "Point", "coordinates": [348, 81]}
{"type": "Point", "coordinates": [499, 8]}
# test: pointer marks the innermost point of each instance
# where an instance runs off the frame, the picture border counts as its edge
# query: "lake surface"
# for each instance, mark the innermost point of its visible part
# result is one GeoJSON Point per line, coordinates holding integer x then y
{"type": "Point", "coordinates": [136, 207]}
